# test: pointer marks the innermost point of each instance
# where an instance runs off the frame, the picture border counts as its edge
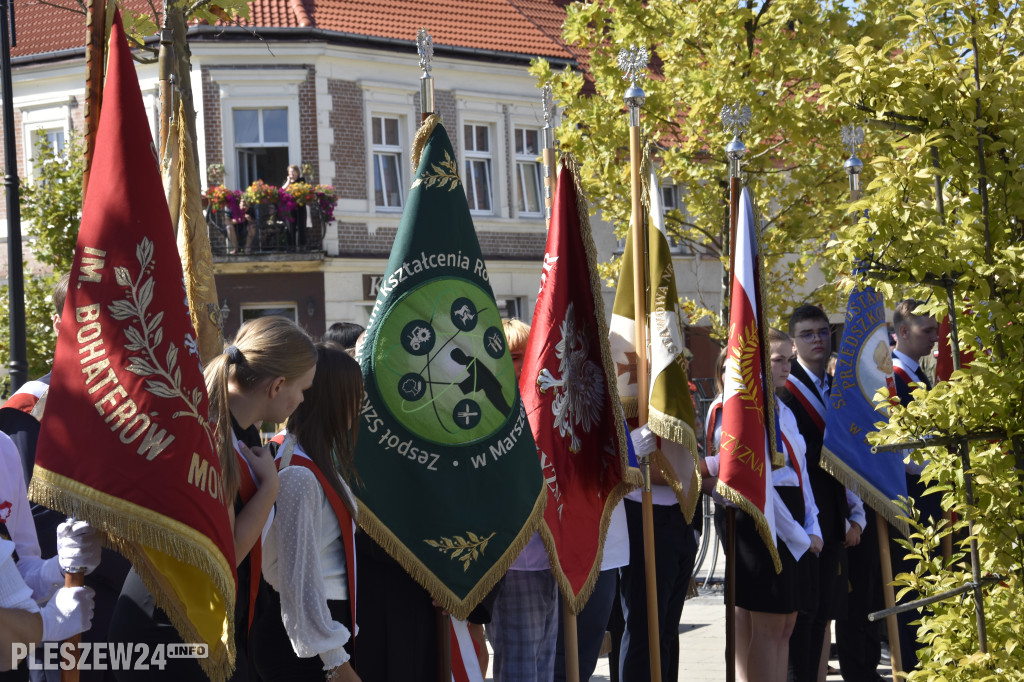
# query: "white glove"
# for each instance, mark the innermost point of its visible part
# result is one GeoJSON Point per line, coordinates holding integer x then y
{"type": "Point", "coordinates": [78, 547]}
{"type": "Point", "coordinates": [68, 613]}
{"type": "Point", "coordinates": [644, 441]}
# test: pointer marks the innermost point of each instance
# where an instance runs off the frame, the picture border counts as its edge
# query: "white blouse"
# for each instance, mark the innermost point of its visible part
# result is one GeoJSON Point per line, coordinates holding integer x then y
{"type": "Point", "coordinates": [304, 560]}
{"type": "Point", "coordinates": [796, 537]}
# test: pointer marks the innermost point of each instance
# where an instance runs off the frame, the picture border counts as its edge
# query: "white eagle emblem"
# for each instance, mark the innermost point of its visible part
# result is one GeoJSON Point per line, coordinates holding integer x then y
{"type": "Point", "coordinates": [578, 392]}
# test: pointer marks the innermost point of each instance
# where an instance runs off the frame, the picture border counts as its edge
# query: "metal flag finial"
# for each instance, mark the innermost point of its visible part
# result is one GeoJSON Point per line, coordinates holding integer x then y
{"type": "Point", "coordinates": [735, 119]}
{"type": "Point", "coordinates": [547, 103]}
{"type": "Point", "coordinates": [425, 49]}
{"type": "Point", "coordinates": [633, 64]}
{"type": "Point", "coordinates": [853, 137]}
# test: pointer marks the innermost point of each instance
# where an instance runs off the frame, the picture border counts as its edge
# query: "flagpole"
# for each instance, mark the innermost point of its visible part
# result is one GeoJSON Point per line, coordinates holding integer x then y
{"type": "Point", "coordinates": [633, 63]}
{"type": "Point", "coordinates": [425, 49]}
{"type": "Point", "coordinates": [853, 137]}
{"type": "Point", "coordinates": [737, 119]}
{"type": "Point", "coordinates": [96, 33]}
{"type": "Point", "coordinates": [549, 155]}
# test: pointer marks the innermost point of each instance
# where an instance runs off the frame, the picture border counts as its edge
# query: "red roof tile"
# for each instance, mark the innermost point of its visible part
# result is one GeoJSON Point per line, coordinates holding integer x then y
{"type": "Point", "coordinates": [525, 27]}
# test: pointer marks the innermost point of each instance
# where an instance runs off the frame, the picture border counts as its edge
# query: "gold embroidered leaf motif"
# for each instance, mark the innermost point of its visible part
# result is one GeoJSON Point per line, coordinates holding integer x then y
{"type": "Point", "coordinates": [445, 175]}
{"type": "Point", "coordinates": [465, 550]}
{"type": "Point", "coordinates": [145, 335]}
{"type": "Point", "coordinates": [745, 352]}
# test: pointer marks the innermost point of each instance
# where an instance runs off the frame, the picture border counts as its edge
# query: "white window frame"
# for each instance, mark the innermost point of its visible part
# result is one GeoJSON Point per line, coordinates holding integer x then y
{"type": "Point", "coordinates": [261, 144]}
{"type": "Point", "coordinates": [475, 107]}
{"type": "Point", "coordinates": [257, 89]}
{"type": "Point", "coordinates": [668, 189]}
{"type": "Point", "coordinates": [387, 100]}
{"type": "Point", "coordinates": [53, 115]}
{"type": "Point", "coordinates": [473, 156]}
{"type": "Point", "coordinates": [524, 159]}
{"type": "Point", "coordinates": [385, 149]}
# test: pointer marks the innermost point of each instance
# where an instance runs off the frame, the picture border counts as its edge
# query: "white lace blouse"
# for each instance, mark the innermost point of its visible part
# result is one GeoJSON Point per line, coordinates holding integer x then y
{"type": "Point", "coordinates": [304, 560]}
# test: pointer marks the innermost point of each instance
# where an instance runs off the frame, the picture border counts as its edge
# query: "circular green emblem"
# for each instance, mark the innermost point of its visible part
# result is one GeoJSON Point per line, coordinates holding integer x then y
{"type": "Point", "coordinates": [441, 363]}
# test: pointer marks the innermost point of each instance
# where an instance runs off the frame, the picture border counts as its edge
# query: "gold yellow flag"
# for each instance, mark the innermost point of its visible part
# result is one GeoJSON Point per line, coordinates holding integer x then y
{"type": "Point", "coordinates": [184, 198]}
{"type": "Point", "coordinates": [670, 411]}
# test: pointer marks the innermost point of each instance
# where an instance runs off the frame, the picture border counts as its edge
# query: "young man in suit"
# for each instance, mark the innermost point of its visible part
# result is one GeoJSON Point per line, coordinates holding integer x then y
{"type": "Point", "coordinates": [824, 597]}
{"type": "Point", "coordinates": [916, 335]}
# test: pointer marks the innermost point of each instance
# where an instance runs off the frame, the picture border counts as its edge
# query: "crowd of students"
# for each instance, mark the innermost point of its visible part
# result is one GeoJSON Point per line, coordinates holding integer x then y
{"type": "Point", "coordinates": [828, 543]}
{"type": "Point", "coordinates": [295, 529]}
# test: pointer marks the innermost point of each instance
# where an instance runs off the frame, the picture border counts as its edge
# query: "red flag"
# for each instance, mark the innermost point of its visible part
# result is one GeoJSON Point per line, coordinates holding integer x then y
{"type": "Point", "coordinates": [944, 361]}
{"type": "Point", "coordinates": [748, 410]}
{"type": "Point", "coordinates": [126, 442]}
{"type": "Point", "coordinates": [568, 388]}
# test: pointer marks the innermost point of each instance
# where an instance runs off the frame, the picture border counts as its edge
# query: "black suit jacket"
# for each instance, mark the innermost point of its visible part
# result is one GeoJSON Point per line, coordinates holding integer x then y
{"type": "Point", "coordinates": [829, 494]}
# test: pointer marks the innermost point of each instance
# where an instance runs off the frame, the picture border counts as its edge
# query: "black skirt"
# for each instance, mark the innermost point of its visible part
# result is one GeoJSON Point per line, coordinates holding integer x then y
{"type": "Point", "coordinates": [758, 586]}
{"type": "Point", "coordinates": [272, 652]}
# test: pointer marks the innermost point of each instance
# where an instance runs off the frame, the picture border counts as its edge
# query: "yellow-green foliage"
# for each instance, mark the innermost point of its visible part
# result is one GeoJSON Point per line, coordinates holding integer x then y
{"type": "Point", "coordinates": [769, 55]}
{"type": "Point", "coordinates": [944, 79]}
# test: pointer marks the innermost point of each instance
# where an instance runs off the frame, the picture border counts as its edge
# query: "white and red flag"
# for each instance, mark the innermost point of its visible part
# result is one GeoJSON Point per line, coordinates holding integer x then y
{"type": "Point", "coordinates": [748, 444]}
{"type": "Point", "coordinates": [568, 388]}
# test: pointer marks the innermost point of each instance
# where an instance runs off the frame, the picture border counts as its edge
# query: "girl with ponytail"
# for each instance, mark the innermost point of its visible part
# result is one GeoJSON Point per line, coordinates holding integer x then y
{"type": "Point", "coordinates": [258, 378]}
{"type": "Point", "coordinates": [305, 631]}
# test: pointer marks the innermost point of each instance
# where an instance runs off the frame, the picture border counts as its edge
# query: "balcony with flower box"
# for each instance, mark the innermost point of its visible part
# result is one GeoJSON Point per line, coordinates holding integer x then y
{"type": "Point", "coordinates": [265, 222]}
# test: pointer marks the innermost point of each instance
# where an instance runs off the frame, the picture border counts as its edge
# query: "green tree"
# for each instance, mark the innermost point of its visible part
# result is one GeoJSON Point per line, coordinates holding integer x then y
{"type": "Point", "coordinates": [51, 211]}
{"type": "Point", "coordinates": [945, 102]}
{"type": "Point", "coordinates": [51, 203]}
{"type": "Point", "coordinates": [769, 54]}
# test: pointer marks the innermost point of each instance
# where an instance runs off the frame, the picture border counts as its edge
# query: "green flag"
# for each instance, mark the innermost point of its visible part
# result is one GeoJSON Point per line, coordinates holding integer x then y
{"type": "Point", "coordinates": [450, 484]}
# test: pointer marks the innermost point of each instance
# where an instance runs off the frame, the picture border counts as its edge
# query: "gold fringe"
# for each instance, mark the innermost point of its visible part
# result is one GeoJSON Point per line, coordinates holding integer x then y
{"type": "Point", "coordinates": [763, 529]}
{"type": "Point", "coordinates": [576, 602]}
{"type": "Point", "coordinates": [630, 407]}
{"type": "Point", "coordinates": [420, 141]}
{"type": "Point", "coordinates": [195, 250]}
{"type": "Point", "coordinates": [857, 484]}
{"type": "Point", "coordinates": [128, 527]}
{"type": "Point", "coordinates": [678, 431]}
{"type": "Point", "coordinates": [449, 601]}
{"type": "Point", "coordinates": [631, 478]}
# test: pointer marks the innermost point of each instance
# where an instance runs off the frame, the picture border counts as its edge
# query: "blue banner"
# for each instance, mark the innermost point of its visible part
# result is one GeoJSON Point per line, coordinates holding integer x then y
{"type": "Point", "coordinates": [864, 366]}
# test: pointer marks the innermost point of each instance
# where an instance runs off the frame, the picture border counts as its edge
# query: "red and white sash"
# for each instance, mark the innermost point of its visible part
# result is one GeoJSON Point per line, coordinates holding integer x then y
{"type": "Point", "coordinates": [713, 412]}
{"type": "Point", "coordinates": [246, 489]}
{"type": "Point", "coordinates": [904, 372]}
{"type": "Point", "coordinates": [290, 454]}
{"type": "Point", "coordinates": [791, 456]}
{"type": "Point", "coordinates": [30, 398]}
{"type": "Point", "coordinates": [807, 395]}
{"type": "Point", "coordinates": [465, 664]}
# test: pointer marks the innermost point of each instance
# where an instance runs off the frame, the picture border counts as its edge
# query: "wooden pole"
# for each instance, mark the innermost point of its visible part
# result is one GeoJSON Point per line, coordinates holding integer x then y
{"type": "Point", "coordinates": [425, 50]}
{"type": "Point", "coordinates": [95, 51]}
{"type": "Point", "coordinates": [888, 594]}
{"type": "Point", "coordinates": [735, 190]}
{"type": "Point", "coordinates": [730, 594]}
{"type": "Point", "coordinates": [571, 642]}
{"type": "Point", "coordinates": [643, 390]}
